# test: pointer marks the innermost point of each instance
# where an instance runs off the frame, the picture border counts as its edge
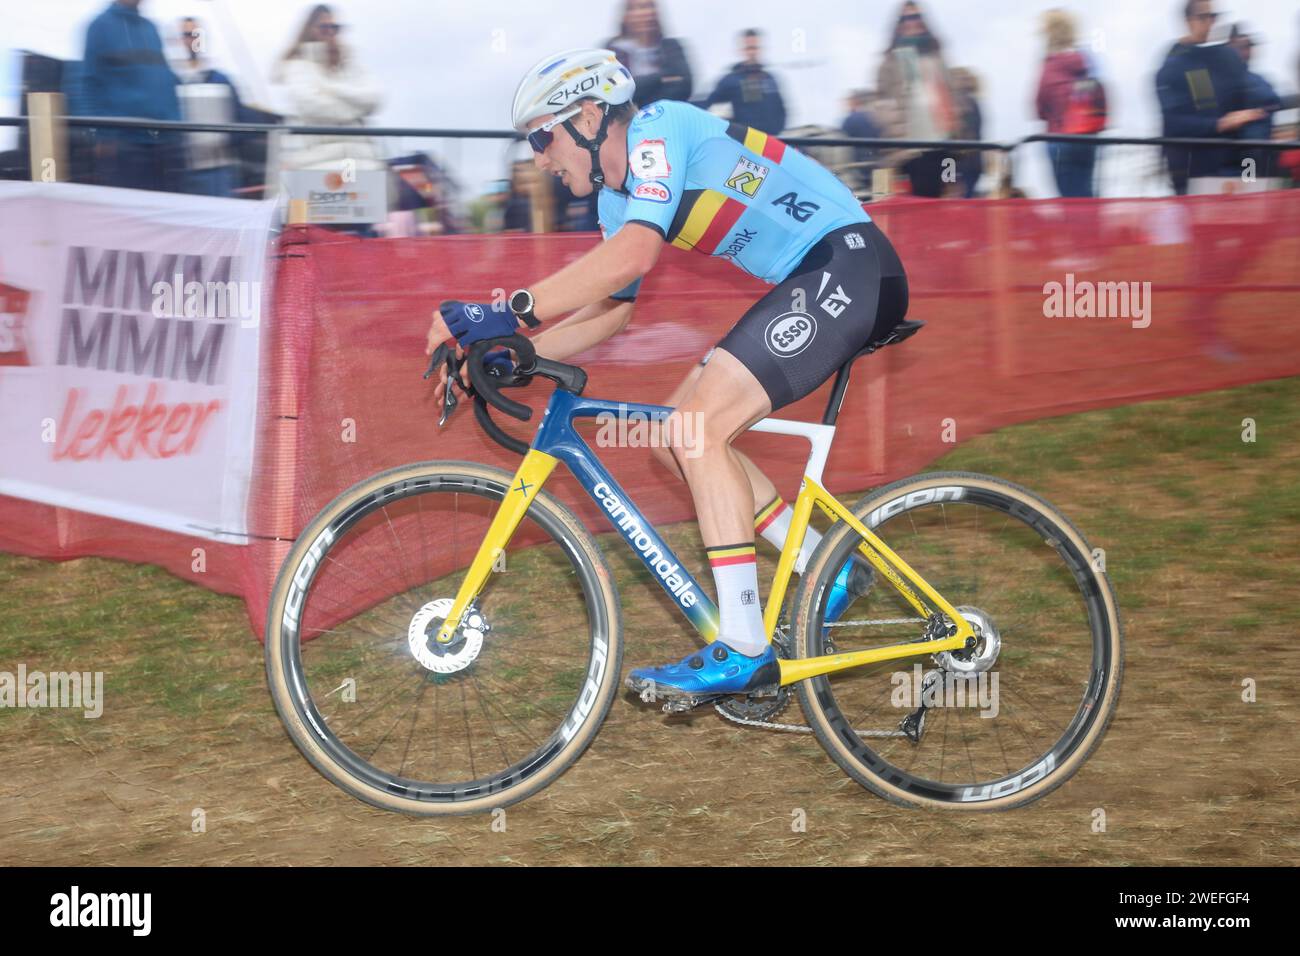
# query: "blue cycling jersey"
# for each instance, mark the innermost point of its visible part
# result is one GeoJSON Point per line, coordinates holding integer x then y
{"type": "Point", "coordinates": [725, 190]}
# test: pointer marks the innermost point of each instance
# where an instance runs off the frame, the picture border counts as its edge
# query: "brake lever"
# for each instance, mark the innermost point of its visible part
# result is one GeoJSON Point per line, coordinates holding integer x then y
{"type": "Point", "coordinates": [447, 356]}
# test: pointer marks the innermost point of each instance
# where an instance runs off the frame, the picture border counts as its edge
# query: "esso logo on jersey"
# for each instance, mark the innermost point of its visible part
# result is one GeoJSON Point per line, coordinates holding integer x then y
{"type": "Point", "coordinates": [475, 312]}
{"type": "Point", "coordinates": [655, 192]}
{"type": "Point", "coordinates": [790, 334]}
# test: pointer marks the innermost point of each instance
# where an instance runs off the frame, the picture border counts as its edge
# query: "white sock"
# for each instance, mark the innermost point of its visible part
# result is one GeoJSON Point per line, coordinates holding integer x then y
{"type": "Point", "coordinates": [773, 523]}
{"type": "Point", "coordinates": [740, 615]}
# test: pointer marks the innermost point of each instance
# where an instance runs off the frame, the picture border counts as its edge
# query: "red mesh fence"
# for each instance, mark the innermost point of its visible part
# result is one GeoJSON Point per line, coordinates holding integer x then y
{"type": "Point", "coordinates": [343, 395]}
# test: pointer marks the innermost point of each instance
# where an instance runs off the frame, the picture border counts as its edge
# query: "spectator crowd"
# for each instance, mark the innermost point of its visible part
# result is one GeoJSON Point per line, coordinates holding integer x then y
{"type": "Point", "coordinates": [1205, 90]}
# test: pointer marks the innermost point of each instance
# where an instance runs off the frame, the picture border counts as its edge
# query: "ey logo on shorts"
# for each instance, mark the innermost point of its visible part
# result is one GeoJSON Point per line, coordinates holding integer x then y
{"type": "Point", "coordinates": [747, 176]}
{"type": "Point", "coordinates": [790, 334]}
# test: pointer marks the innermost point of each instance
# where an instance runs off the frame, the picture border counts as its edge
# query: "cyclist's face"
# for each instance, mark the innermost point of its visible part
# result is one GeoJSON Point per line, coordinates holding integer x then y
{"type": "Point", "coordinates": [563, 157]}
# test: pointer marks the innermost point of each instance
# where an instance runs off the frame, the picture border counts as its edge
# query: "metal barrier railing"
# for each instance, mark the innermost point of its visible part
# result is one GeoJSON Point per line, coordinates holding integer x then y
{"type": "Point", "coordinates": [46, 140]}
{"type": "Point", "coordinates": [421, 132]}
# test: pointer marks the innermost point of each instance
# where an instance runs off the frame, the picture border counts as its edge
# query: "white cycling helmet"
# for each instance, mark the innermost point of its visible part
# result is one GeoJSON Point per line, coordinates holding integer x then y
{"type": "Point", "coordinates": [561, 81]}
{"type": "Point", "coordinates": [564, 78]}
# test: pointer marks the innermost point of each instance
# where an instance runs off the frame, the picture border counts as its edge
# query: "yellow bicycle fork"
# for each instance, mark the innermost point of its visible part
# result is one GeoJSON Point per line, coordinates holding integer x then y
{"type": "Point", "coordinates": [527, 482]}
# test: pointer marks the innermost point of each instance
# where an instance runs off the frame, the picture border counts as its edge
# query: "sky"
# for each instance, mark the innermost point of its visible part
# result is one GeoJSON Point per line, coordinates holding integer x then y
{"type": "Point", "coordinates": [451, 63]}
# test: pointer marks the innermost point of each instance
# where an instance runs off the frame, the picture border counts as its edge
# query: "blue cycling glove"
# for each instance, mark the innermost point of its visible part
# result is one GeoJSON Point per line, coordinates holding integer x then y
{"type": "Point", "coordinates": [499, 363]}
{"type": "Point", "coordinates": [470, 322]}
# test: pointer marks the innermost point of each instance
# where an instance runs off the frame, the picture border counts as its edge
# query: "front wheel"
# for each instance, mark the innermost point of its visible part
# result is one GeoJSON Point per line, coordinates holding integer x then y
{"type": "Point", "coordinates": [405, 723]}
{"type": "Point", "coordinates": [986, 728]}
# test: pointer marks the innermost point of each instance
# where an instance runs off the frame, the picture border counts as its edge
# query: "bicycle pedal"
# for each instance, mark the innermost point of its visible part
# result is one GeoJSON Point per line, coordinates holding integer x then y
{"type": "Point", "coordinates": [680, 705]}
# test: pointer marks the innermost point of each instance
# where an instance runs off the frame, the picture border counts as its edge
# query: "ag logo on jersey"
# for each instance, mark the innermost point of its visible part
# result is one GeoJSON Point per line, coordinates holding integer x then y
{"type": "Point", "coordinates": [655, 192]}
{"type": "Point", "coordinates": [790, 334]}
{"type": "Point", "coordinates": [651, 112]}
{"type": "Point", "coordinates": [649, 160]}
{"type": "Point", "coordinates": [747, 176]}
{"type": "Point", "coordinates": [802, 211]}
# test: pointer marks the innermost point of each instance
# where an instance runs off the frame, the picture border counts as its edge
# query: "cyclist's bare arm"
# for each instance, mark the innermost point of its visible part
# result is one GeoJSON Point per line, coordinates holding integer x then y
{"type": "Point", "coordinates": [613, 265]}
{"type": "Point", "coordinates": [609, 267]}
{"type": "Point", "coordinates": [585, 329]}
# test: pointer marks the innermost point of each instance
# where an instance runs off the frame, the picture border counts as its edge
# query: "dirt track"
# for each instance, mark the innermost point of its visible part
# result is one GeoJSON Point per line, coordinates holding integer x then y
{"type": "Point", "coordinates": [1189, 773]}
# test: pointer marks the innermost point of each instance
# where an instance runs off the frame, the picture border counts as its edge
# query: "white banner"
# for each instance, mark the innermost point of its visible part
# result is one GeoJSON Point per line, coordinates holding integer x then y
{"type": "Point", "coordinates": [129, 331]}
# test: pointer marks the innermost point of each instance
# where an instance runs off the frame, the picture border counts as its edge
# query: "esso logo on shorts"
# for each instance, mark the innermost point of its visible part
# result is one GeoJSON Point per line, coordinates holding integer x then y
{"type": "Point", "coordinates": [475, 312]}
{"type": "Point", "coordinates": [655, 192]}
{"type": "Point", "coordinates": [790, 334]}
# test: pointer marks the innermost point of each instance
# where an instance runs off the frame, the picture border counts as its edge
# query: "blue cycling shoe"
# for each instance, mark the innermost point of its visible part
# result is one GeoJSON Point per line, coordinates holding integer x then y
{"type": "Point", "coordinates": [853, 581]}
{"type": "Point", "coordinates": [711, 672]}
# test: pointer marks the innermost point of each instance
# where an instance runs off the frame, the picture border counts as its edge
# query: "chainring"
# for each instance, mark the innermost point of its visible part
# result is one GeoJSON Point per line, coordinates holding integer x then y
{"type": "Point", "coordinates": [760, 708]}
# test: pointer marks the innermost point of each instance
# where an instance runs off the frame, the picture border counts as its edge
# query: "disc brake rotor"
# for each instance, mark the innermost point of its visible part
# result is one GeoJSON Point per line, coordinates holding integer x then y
{"type": "Point", "coordinates": [448, 658]}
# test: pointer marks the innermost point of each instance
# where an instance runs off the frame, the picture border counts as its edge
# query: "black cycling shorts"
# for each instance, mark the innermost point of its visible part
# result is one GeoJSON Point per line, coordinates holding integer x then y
{"type": "Point", "coordinates": [847, 291]}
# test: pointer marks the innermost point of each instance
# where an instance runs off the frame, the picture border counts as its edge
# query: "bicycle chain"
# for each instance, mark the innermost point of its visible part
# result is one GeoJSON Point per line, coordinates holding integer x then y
{"type": "Point", "coordinates": [782, 643]}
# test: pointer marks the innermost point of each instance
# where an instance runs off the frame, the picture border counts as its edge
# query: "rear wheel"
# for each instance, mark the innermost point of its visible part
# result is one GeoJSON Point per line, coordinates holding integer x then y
{"type": "Point", "coordinates": [992, 727]}
{"type": "Point", "coordinates": [394, 718]}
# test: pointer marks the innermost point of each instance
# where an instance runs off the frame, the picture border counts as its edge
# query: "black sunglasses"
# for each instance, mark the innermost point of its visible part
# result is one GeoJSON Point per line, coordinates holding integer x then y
{"type": "Point", "coordinates": [541, 137]}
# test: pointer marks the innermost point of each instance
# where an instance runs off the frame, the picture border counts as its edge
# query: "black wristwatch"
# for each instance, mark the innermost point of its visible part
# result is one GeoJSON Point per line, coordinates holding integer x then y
{"type": "Point", "coordinates": [521, 304]}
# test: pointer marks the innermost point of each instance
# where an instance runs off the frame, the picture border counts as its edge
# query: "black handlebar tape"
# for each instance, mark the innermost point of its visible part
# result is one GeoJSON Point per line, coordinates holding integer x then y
{"type": "Point", "coordinates": [494, 431]}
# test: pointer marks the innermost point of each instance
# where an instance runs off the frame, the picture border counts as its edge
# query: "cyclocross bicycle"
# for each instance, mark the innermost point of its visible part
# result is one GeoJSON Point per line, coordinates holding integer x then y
{"type": "Point", "coordinates": [446, 637]}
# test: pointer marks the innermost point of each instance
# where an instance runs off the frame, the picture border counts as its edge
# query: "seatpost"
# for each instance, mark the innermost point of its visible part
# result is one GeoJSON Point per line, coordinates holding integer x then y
{"type": "Point", "coordinates": [837, 395]}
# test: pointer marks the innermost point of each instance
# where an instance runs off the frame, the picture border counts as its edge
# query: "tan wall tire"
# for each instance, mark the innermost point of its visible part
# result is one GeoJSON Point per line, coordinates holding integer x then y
{"type": "Point", "coordinates": [832, 730]}
{"type": "Point", "coordinates": [606, 626]}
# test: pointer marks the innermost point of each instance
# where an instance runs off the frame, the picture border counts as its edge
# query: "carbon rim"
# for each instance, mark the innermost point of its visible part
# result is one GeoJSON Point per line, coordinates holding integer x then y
{"type": "Point", "coordinates": [384, 508]}
{"type": "Point", "coordinates": [890, 760]}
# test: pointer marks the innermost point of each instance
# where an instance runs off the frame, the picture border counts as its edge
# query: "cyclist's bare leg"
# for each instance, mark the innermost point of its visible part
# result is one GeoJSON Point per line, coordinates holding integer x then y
{"type": "Point", "coordinates": [724, 402]}
{"type": "Point", "coordinates": [762, 487]}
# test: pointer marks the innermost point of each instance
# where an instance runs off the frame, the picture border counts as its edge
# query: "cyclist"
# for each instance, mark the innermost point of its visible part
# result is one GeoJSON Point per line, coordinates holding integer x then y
{"type": "Point", "coordinates": [673, 173]}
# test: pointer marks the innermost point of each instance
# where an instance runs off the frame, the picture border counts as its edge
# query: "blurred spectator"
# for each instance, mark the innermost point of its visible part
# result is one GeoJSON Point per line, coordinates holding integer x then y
{"type": "Point", "coordinates": [657, 63]}
{"type": "Point", "coordinates": [916, 86]}
{"type": "Point", "coordinates": [1259, 94]}
{"type": "Point", "coordinates": [1203, 92]}
{"type": "Point", "coordinates": [125, 74]}
{"type": "Point", "coordinates": [326, 86]}
{"type": "Point", "coordinates": [518, 213]}
{"type": "Point", "coordinates": [425, 203]}
{"type": "Point", "coordinates": [572, 213]}
{"type": "Point", "coordinates": [751, 90]}
{"type": "Point", "coordinates": [1072, 100]}
{"type": "Point", "coordinates": [207, 96]}
{"type": "Point", "coordinates": [970, 125]}
{"type": "Point", "coordinates": [862, 123]}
